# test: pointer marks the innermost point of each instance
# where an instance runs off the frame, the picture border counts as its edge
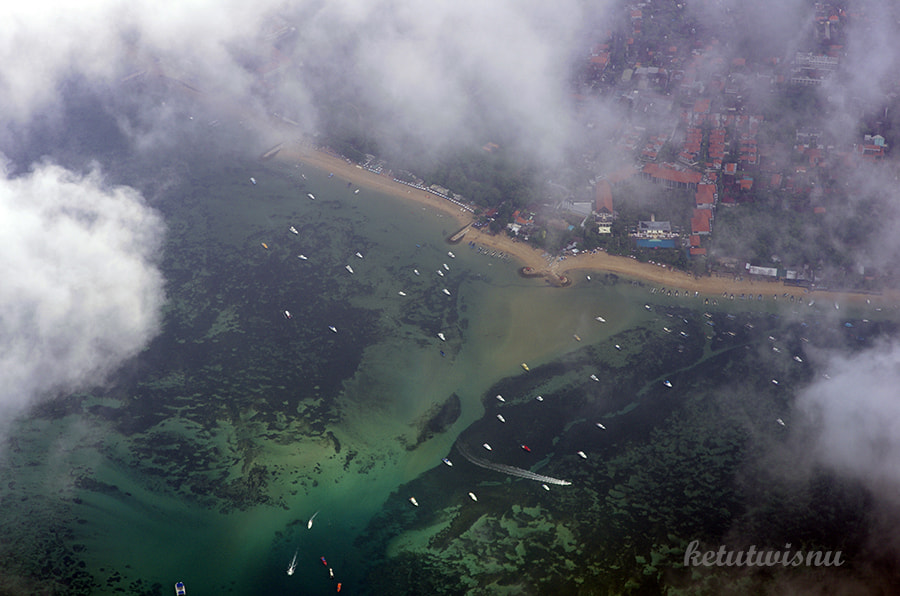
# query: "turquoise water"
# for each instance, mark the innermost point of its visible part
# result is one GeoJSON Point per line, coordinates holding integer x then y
{"type": "Point", "coordinates": [203, 460]}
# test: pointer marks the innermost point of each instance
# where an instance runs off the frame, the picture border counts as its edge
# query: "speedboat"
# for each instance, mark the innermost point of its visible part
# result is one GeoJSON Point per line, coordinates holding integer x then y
{"type": "Point", "coordinates": [581, 454]}
{"type": "Point", "coordinates": [413, 501]}
{"type": "Point", "coordinates": [179, 589]}
{"type": "Point", "coordinates": [293, 230]}
{"type": "Point", "coordinates": [264, 245]}
{"type": "Point", "coordinates": [525, 366]}
{"type": "Point", "coordinates": [600, 426]}
{"type": "Point", "coordinates": [576, 337]}
{"type": "Point", "coordinates": [331, 573]}
{"type": "Point", "coordinates": [441, 273]}
{"type": "Point", "coordinates": [540, 398]}
{"type": "Point", "coordinates": [525, 447]}
{"type": "Point", "coordinates": [618, 347]}
{"type": "Point", "coordinates": [324, 562]}
{"type": "Point", "coordinates": [774, 381]}
{"type": "Point", "coordinates": [486, 446]}
{"type": "Point", "coordinates": [310, 522]}
{"type": "Point", "coordinates": [302, 257]}
{"type": "Point", "coordinates": [402, 293]}
{"type": "Point", "coordinates": [446, 267]}
{"type": "Point", "coordinates": [359, 254]}
{"type": "Point", "coordinates": [348, 268]}
{"type": "Point", "coordinates": [416, 271]}
{"type": "Point", "coordinates": [667, 383]}
{"type": "Point", "coordinates": [647, 306]}
{"type": "Point", "coordinates": [451, 255]}
{"type": "Point", "coordinates": [252, 180]}
{"type": "Point", "coordinates": [500, 397]}
{"type": "Point", "coordinates": [501, 418]}
{"type": "Point", "coordinates": [333, 328]}
{"type": "Point", "coordinates": [287, 315]}
{"type": "Point", "coordinates": [594, 378]}
{"type": "Point", "coordinates": [293, 566]}
{"type": "Point", "coordinates": [472, 496]}
{"type": "Point", "coordinates": [588, 277]}
{"type": "Point", "coordinates": [545, 487]}
{"type": "Point", "coordinates": [798, 358]}
{"type": "Point", "coordinates": [446, 291]}
{"type": "Point", "coordinates": [356, 192]}
{"type": "Point", "coordinates": [779, 421]}
{"type": "Point", "coordinates": [601, 319]}
{"type": "Point", "coordinates": [441, 337]}
{"type": "Point", "coordinates": [311, 196]}
{"type": "Point", "coordinates": [447, 461]}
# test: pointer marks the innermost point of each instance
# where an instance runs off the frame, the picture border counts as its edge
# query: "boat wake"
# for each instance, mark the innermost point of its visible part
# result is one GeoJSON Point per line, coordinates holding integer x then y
{"type": "Point", "coordinates": [510, 470]}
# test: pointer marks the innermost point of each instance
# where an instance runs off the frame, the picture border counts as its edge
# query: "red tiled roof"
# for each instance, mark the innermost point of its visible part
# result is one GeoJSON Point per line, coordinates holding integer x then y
{"type": "Point", "coordinates": [667, 173]}
{"type": "Point", "coordinates": [695, 252]}
{"type": "Point", "coordinates": [705, 194]}
{"type": "Point", "coordinates": [604, 197]}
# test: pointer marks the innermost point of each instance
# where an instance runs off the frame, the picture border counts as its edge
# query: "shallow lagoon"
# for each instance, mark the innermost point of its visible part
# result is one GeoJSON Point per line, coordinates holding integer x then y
{"type": "Point", "coordinates": [204, 459]}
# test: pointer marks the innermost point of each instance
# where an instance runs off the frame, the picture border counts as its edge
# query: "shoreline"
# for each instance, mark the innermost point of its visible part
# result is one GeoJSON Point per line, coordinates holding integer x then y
{"type": "Point", "coordinates": [555, 271]}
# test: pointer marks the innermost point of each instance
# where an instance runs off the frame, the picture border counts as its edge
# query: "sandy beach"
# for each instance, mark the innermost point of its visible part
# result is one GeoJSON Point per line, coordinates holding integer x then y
{"type": "Point", "coordinates": [554, 269]}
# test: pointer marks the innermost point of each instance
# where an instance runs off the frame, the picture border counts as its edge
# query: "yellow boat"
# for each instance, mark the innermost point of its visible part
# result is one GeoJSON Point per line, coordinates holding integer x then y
{"type": "Point", "coordinates": [264, 245]}
{"type": "Point", "coordinates": [576, 338]}
{"type": "Point", "coordinates": [525, 366]}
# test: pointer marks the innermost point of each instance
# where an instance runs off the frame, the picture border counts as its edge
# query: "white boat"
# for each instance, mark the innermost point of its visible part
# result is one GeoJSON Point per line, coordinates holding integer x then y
{"type": "Point", "coordinates": [331, 573]}
{"type": "Point", "coordinates": [402, 293]}
{"type": "Point", "coordinates": [359, 254]}
{"type": "Point", "coordinates": [582, 454]}
{"type": "Point", "coordinates": [774, 381]}
{"type": "Point", "coordinates": [667, 383]}
{"type": "Point", "coordinates": [441, 273]}
{"type": "Point", "coordinates": [501, 418]}
{"type": "Point", "coordinates": [486, 446]}
{"type": "Point", "coordinates": [333, 328]}
{"type": "Point", "coordinates": [594, 378]}
{"type": "Point", "coordinates": [447, 461]}
{"type": "Point", "coordinates": [798, 358]}
{"type": "Point", "coordinates": [588, 277]}
{"type": "Point", "coordinates": [545, 487]}
{"type": "Point", "coordinates": [348, 268]}
{"type": "Point", "coordinates": [302, 257]}
{"type": "Point", "coordinates": [446, 267]}
{"type": "Point", "coordinates": [311, 196]}
{"type": "Point", "coordinates": [577, 338]}
{"type": "Point", "coordinates": [540, 398]}
{"type": "Point", "coordinates": [441, 337]}
{"type": "Point", "coordinates": [293, 566]}
{"type": "Point", "coordinates": [618, 347]}
{"type": "Point", "coordinates": [601, 319]}
{"type": "Point", "coordinates": [356, 192]}
{"type": "Point", "coordinates": [500, 397]}
{"type": "Point", "coordinates": [446, 291]}
{"type": "Point", "coordinates": [472, 496]}
{"type": "Point", "coordinates": [600, 426]}
{"type": "Point", "coordinates": [179, 589]}
{"type": "Point", "coordinates": [252, 180]}
{"type": "Point", "coordinates": [779, 421]}
{"type": "Point", "coordinates": [310, 522]}
{"type": "Point", "coordinates": [413, 501]}
{"type": "Point", "coordinates": [451, 255]}
{"type": "Point", "coordinates": [416, 271]}
{"type": "Point", "coordinates": [287, 315]}
{"type": "Point", "coordinates": [293, 230]}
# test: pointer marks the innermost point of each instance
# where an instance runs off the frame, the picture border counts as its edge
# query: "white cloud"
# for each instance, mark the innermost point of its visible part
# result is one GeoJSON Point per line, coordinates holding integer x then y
{"type": "Point", "coordinates": [80, 292]}
{"type": "Point", "coordinates": [854, 417]}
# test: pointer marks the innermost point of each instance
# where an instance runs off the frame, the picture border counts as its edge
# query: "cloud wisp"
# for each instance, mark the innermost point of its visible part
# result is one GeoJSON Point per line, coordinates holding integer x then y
{"type": "Point", "coordinates": [81, 291]}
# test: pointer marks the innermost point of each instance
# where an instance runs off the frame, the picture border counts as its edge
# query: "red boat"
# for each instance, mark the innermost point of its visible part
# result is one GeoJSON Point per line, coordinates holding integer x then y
{"type": "Point", "coordinates": [324, 562]}
{"type": "Point", "coordinates": [526, 448]}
